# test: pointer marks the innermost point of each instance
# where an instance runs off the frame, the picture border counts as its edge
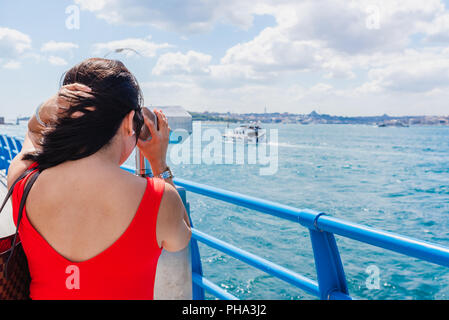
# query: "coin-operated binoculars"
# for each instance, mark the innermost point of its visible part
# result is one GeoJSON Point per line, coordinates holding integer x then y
{"type": "Point", "coordinates": [179, 120]}
{"type": "Point", "coordinates": [173, 279]}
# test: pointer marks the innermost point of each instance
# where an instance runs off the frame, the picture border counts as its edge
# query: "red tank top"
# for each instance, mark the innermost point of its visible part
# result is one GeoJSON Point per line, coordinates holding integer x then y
{"type": "Point", "coordinates": [125, 270]}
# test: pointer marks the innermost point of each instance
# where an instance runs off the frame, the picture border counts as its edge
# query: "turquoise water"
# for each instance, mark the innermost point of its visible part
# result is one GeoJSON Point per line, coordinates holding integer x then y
{"type": "Point", "coordinates": [396, 179]}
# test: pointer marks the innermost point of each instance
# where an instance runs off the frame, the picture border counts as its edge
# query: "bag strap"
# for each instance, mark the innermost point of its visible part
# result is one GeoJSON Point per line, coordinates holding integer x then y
{"type": "Point", "coordinates": [8, 195]}
{"type": "Point", "coordinates": [26, 191]}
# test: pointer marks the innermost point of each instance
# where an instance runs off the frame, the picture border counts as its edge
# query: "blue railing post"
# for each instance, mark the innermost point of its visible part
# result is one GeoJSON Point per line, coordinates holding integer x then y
{"type": "Point", "coordinates": [197, 291]}
{"type": "Point", "coordinates": [5, 153]}
{"type": "Point", "coordinates": [329, 268]}
{"type": "Point", "coordinates": [3, 164]}
{"type": "Point", "coordinates": [18, 144]}
{"type": "Point", "coordinates": [13, 149]}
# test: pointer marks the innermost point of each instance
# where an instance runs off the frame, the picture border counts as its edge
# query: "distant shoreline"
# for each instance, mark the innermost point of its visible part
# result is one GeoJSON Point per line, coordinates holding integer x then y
{"type": "Point", "coordinates": [316, 118]}
{"type": "Point", "coordinates": [304, 119]}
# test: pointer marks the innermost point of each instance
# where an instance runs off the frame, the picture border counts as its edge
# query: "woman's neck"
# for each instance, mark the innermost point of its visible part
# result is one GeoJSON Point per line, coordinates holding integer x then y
{"type": "Point", "coordinates": [108, 157]}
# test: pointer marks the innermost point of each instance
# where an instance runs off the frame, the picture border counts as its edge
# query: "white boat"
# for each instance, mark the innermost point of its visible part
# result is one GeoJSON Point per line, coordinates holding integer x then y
{"type": "Point", "coordinates": [252, 133]}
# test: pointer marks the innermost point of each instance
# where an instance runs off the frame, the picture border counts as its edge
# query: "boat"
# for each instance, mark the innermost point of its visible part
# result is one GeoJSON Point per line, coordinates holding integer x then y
{"type": "Point", "coordinates": [392, 123]}
{"type": "Point", "coordinates": [248, 133]}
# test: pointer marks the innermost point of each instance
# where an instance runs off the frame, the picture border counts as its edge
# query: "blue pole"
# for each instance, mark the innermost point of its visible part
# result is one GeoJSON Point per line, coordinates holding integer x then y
{"type": "Point", "coordinates": [329, 269]}
{"type": "Point", "coordinates": [212, 287]}
{"type": "Point", "coordinates": [13, 149]}
{"type": "Point", "coordinates": [6, 155]}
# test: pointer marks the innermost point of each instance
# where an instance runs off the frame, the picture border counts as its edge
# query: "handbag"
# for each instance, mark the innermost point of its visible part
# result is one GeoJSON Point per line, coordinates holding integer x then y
{"type": "Point", "coordinates": [15, 276]}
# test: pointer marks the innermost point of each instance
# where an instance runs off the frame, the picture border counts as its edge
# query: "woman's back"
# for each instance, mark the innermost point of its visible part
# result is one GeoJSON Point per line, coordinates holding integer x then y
{"type": "Point", "coordinates": [81, 200]}
{"type": "Point", "coordinates": [92, 233]}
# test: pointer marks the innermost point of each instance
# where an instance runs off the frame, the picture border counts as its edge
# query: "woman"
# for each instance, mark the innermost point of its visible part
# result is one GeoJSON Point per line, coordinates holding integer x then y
{"type": "Point", "coordinates": [90, 230]}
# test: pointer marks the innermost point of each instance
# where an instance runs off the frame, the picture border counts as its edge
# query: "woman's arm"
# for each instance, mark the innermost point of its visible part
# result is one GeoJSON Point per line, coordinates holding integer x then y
{"type": "Point", "coordinates": [48, 113]}
{"type": "Point", "coordinates": [173, 228]}
{"type": "Point", "coordinates": [173, 225]}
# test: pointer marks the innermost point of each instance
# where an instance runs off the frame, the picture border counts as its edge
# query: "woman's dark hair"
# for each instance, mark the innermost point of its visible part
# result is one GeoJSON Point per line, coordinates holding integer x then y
{"type": "Point", "coordinates": [115, 93]}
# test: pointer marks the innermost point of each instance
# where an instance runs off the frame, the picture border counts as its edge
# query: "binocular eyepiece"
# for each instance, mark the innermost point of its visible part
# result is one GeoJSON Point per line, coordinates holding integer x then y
{"type": "Point", "coordinates": [145, 133]}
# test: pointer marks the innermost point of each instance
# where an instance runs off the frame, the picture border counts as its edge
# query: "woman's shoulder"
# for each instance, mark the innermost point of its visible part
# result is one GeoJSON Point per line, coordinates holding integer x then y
{"type": "Point", "coordinates": [157, 184]}
{"type": "Point", "coordinates": [17, 168]}
{"type": "Point", "coordinates": [171, 204]}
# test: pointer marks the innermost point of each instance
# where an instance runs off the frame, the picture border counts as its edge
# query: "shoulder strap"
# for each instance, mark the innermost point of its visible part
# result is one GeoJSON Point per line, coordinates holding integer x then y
{"type": "Point", "coordinates": [26, 191]}
{"type": "Point", "coordinates": [8, 195]}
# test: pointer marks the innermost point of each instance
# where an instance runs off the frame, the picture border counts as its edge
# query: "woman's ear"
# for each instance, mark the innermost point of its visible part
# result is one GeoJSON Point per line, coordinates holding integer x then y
{"type": "Point", "coordinates": [129, 123]}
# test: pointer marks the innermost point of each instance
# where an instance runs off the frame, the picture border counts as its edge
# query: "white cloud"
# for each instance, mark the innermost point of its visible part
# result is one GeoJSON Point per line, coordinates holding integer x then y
{"type": "Point", "coordinates": [13, 43]}
{"type": "Point", "coordinates": [338, 68]}
{"type": "Point", "coordinates": [361, 26]}
{"type": "Point", "coordinates": [329, 37]}
{"type": "Point", "coordinates": [143, 46]}
{"type": "Point", "coordinates": [178, 63]}
{"type": "Point", "coordinates": [438, 29]}
{"type": "Point", "coordinates": [342, 24]}
{"type": "Point", "coordinates": [12, 65]}
{"type": "Point", "coordinates": [272, 50]}
{"type": "Point", "coordinates": [185, 16]}
{"type": "Point", "coordinates": [57, 61]}
{"type": "Point", "coordinates": [92, 5]}
{"type": "Point", "coordinates": [53, 46]}
{"type": "Point", "coordinates": [268, 55]}
{"type": "Point", "coordinates": [246, 98]}
{"type": "Point", "coordinates": [321, 88]}
{"type": "Point", "coordinates": [272, 55]}
{"type": "Point", "coordinates": [413, 71]}
{"type": "Point", "coordinates": [234, 75]}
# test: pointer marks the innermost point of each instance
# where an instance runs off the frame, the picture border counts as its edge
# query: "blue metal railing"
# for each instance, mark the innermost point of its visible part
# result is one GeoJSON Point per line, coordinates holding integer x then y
{"type": "Point", "coordinates": [269, 267]}
{"type": "Point", "coordinates": [331, 282]}
{"type": "Point", "coordinates": [322, 227]}
{"type": "Point", "coordinates": [9, 148]}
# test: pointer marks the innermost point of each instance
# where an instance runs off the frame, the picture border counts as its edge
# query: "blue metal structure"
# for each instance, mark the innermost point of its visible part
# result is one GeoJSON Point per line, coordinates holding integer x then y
{"type": "Point", "coordinates": [331, 282]}
{"type": "Point", "coordinates": [9, 148]}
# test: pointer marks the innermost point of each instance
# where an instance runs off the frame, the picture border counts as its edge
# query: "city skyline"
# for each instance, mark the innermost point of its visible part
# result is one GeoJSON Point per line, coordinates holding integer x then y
{"type": "Point", "coordinates": [265, 112]}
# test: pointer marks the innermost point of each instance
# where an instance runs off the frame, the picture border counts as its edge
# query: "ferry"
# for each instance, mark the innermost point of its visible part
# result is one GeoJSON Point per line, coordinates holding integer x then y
{"type": "Point", "coordinates": [248, 133]}
{"type": "Point", "coordinates": [180, 275]}
{"type": "Point", "coordinates": [392, 123]}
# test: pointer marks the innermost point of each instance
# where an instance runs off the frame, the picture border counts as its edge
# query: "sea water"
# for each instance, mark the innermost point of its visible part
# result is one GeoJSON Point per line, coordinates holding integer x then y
{"type": "Point", "coordinates": [395, 179]}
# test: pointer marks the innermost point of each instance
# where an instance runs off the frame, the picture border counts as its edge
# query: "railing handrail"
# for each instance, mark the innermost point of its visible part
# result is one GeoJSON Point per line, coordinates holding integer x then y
{"type": "Point", "coordinates": [267, 266]}
{"type": "Point", "coordinates": [261, 205]}
{"type": "Point", "coordinates": [428, 251]}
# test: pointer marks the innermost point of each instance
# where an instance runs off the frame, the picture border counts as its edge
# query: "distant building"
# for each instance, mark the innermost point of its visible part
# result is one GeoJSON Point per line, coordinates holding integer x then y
{"type": "Point", "coordinates": [2, 120]}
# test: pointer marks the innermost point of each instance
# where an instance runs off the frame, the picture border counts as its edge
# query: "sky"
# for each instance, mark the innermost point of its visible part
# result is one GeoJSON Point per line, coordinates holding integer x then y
{"type": "Point", "coordinates": [341, 57]}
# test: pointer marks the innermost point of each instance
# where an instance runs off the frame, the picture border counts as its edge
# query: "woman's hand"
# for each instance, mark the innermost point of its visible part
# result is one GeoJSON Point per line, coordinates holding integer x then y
{"type": "Point", "coordinates": [155, 150]}
{"type": "Point", "coordinates": [61, 101]}
{"type": "Point", "coordinates": [56, 105]}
